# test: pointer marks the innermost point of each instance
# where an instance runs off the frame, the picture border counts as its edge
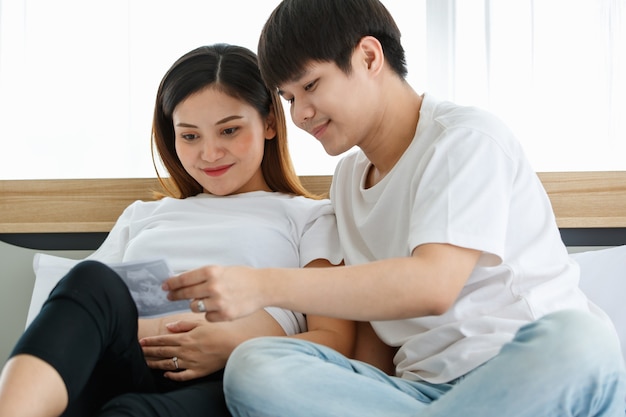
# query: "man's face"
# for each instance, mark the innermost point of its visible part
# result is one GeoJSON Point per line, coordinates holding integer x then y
{"type": "Point", "coordinates": [331, 105]}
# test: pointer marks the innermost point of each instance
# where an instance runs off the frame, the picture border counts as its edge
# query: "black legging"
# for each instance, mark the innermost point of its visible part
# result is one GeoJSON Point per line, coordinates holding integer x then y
{"type": "Point", "coordinates": [87, 330]}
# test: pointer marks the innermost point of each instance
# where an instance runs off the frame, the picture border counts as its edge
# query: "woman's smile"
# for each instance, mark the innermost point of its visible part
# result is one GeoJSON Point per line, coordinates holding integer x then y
{"type": "Point", "coordinates": [217, 171]}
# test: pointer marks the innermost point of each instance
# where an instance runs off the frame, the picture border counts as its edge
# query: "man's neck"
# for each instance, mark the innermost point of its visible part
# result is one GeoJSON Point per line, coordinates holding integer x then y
{"type": "Point", "coordinates": [397, 129]}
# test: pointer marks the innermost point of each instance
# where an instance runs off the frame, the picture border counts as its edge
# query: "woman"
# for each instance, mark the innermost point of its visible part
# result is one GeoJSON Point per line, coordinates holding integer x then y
{"type": "Point", "coordinates": [233, 198]}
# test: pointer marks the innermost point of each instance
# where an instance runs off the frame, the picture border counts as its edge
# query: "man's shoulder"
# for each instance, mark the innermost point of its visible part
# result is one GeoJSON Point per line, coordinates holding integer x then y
{"type": "Point", "coordinates": [450, 114]}
{"type": "Point", "coordinates": [354, 160]}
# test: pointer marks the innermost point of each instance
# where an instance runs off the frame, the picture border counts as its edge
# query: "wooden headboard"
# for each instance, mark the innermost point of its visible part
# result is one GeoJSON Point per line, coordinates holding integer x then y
{"type": "Point", "coordinates": [590, 208]}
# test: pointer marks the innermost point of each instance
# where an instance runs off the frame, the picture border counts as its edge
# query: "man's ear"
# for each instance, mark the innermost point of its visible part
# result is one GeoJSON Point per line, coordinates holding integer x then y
{"type": "Point", "coordinates": [270, 124]}
{"type": "Point", "coordinates": [371, 53]}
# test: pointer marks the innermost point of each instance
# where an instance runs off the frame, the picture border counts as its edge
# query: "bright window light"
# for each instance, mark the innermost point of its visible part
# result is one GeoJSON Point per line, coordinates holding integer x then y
{"type": "Point", "coordinates": [78, 79]}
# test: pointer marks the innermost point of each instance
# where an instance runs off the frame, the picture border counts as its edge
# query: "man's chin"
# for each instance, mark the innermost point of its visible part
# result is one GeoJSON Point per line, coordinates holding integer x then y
{"type": "Point", "coordinates": [334, 150]}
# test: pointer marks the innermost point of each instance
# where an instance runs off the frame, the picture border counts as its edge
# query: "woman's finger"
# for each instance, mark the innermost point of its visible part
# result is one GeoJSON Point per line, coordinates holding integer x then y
{"type": "Point", "coordinates": [184, 375]}
{"type": "Point", "coordinates": [174, 364]}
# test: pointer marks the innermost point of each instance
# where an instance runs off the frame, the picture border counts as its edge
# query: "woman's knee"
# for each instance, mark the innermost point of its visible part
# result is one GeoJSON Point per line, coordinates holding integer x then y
{"type": "Point", "coordinates": [90, 277]}
{"type": "Point", "coordinates": [97, 289]}
{"type": "Point", "coordinates": [91, 281]}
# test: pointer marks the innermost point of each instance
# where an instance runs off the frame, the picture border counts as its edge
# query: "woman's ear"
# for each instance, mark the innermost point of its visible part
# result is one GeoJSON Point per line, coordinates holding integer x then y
{"type": "Point", "coordinates": [270, 125]}
{"type": "Point", "coordinates": [371, 54]}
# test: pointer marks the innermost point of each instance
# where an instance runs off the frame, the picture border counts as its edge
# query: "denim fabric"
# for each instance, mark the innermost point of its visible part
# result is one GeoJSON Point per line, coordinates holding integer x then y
{"type": "Point", "coordinates": [566, 364]}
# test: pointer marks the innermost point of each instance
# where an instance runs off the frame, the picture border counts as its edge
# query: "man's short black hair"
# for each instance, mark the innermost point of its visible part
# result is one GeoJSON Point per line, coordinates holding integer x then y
{"type": "Point", "coordinates": [300, 31]}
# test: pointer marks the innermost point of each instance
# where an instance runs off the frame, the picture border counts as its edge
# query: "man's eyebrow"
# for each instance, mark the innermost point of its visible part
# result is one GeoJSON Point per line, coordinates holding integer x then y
{"type": "Point", "coordinates": [299, 76]}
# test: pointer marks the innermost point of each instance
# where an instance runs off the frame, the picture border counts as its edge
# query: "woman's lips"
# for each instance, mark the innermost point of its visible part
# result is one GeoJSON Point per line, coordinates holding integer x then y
{"type": "Point", "coordinates": [217, 171]}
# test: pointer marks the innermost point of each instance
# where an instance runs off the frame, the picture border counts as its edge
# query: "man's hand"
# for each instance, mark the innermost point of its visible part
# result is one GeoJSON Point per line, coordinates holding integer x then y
{"type": "Point", "coordinates": [222, 293]}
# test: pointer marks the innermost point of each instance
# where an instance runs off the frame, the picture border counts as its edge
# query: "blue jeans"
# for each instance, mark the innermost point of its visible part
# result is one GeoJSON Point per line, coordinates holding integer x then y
{"type": "Point", "coordinates": [565, 364]}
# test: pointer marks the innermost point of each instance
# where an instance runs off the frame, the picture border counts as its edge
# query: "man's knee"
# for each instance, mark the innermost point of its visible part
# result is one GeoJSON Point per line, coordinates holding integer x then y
{"type": "Point", "coordinates": [254, 355]}
{"type": "Point", "coordinates": [572, 336]}
{"type": "Point", "coordinates": [255, 362]}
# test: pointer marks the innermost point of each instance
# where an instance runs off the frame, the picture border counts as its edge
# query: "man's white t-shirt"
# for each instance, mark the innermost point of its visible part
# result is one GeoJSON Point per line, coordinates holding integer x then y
{"type": "Point", "coordinates": [465, 181]}
{"type": "Point", "coordinates": [257, 229]}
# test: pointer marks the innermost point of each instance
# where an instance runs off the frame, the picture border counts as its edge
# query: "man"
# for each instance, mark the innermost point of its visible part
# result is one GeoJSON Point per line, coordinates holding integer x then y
{"type": "Point", "coordinates": [451, 248]}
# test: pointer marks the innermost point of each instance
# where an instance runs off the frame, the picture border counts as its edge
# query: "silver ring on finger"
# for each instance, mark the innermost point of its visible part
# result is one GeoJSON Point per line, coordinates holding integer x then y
{"type": "Point", "coordinates": [175, 360]}
{"type": "Point", "coordinates": [201, 306]}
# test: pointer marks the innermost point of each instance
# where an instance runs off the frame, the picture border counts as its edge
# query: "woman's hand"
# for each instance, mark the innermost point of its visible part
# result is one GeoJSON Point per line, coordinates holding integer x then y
{"type": "Point", "coordinates": [201, 347]}
{"type": "Point", "coordinates": [194, 345]}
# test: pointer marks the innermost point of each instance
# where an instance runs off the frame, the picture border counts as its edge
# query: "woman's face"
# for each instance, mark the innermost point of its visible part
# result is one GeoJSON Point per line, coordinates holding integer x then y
{"type": "Point", "coordinates": [220, 142]}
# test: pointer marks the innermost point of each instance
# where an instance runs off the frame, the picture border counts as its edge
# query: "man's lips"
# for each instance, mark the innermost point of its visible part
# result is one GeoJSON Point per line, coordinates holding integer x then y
{"type": "Point", "coordinates": [319, 130]}
{"type": "Point", "coordinates": [216, 171]}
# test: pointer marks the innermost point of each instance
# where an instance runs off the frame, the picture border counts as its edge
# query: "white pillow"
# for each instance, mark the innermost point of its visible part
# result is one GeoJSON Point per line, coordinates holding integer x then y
{"type": "Point", "coordinates": [48, 271]}
{"type": "Point", "coordinates": [603, 280]}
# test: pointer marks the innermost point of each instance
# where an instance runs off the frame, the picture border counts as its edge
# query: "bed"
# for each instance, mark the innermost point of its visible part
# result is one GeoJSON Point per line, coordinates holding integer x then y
{"type": "Point", "coordinates": [76, 214]}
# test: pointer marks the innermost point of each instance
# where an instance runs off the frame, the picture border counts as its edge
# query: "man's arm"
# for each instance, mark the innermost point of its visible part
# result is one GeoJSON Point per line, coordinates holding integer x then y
{"type": "Point", "coordinates": [426, 283]}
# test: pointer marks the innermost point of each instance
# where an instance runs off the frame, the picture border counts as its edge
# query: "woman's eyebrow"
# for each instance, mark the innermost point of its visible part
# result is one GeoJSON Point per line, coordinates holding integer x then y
{"type": "Point", "coordinates": [222, 121]}
{"type": "Point", "coordinates": [228, 119]}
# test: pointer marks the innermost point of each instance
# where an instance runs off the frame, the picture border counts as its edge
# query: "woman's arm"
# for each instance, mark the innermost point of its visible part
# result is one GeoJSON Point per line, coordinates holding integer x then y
{"type": "Point", "coordinates": [338, 334]}
{"type": "Point", "coordinates": [200, 346]}
{"type": "Point", "coordinates": [370, 349]}
{"type": "Point", "coordinates": [158, 325]}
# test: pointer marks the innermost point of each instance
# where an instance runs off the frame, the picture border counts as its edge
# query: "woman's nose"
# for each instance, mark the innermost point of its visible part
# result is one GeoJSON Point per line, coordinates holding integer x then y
{"type": "Point", "coordinates": [212, 150]}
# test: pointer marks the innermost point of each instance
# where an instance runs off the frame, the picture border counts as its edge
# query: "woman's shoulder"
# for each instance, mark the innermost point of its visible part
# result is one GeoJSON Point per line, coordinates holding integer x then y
{"type": "Point", "coordinates": [140, 208]}
{"type": "Point", "coordinates": [292, 201]}
{"type": "Point", "coordinates": [297, 207]}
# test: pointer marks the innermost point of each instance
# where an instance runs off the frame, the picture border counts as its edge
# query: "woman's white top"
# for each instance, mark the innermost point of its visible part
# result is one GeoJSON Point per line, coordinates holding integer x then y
{"type": "Point", "coordinates": [257, 229]}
